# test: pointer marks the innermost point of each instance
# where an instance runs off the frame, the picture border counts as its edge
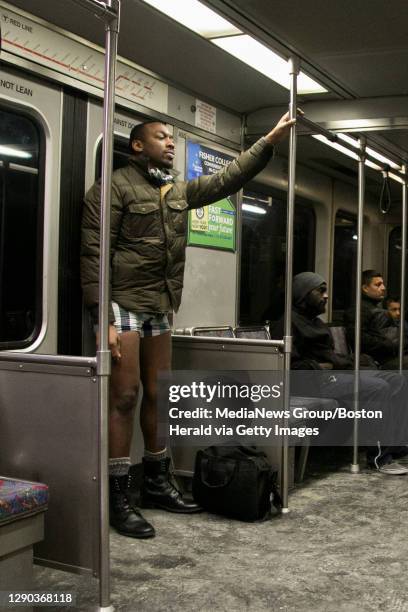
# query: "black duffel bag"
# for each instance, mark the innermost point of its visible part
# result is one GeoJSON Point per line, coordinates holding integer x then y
{"type": "Point", "coordinates": [236, 481]}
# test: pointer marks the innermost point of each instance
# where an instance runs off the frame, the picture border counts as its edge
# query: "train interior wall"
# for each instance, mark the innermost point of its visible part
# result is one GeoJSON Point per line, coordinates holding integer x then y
{"type": "Point", "coordinates": [210, 282]}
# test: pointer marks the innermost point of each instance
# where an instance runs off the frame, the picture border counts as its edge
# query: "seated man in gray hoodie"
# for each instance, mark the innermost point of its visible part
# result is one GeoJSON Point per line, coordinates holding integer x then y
{"type": "Point", "coordinates": [313, 349]}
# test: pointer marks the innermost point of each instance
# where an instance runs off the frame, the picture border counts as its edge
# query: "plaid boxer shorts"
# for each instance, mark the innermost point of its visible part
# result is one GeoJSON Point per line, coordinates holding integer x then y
{"type": "Point", "coordinates": [145, 323]}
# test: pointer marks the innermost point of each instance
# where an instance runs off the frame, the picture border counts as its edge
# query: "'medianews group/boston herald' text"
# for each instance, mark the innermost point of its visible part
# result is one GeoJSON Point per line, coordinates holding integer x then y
{"type": "Point", "coordinates": [298, 412]}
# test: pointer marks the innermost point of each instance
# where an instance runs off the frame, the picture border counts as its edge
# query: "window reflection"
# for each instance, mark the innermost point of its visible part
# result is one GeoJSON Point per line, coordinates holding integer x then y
{"type": "Point", "coordinates": [344, 264]}
{"type": "Point", "coordinates": [120, 155]}
{"type": "Point", "coordinates": [19, 139]}
{"type": "Point", "coordinates": [263, 254]}
{"type": "Point", "coordinates": [20, 229]}
{"type": "Point", "coordinates": [394, 262]}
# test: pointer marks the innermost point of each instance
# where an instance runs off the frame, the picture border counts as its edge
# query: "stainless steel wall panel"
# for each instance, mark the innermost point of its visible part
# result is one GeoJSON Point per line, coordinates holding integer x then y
{"type": "Point", "coordinates": [191, 353]}
{"type": "Point", "coordinates": [195, 353]}
{"type": "Point", "coordinates": [49, 433]}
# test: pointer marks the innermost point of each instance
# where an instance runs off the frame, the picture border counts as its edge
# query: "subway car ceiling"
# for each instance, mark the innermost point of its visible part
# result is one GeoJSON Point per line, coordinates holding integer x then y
{"type": "Point", "coordinates": [358, 55]}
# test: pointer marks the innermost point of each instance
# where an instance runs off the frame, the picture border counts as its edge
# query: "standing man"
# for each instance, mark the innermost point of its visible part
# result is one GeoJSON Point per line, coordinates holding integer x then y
{"type": "Point", "coordinates": [148, 242]}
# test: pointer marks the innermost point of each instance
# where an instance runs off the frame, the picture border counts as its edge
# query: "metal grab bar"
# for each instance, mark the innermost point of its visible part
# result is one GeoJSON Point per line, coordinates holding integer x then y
{"type": "Point", "coordinates": [64, 360]}
{"type": "Point", "coordinates": [294, 66]}
{"type": "Point", "coordinates": [232, 341]}
{"type": "Point", "coordinates": [355, 468]}
{"type": "Point", "coordinates": [403, 271]}
{"type": "Point", "coordinates": [318, 129]}
{"type": "Point", "coordinates": [315, 128]}
{"type": "Point", "coordinates": [109, 11]}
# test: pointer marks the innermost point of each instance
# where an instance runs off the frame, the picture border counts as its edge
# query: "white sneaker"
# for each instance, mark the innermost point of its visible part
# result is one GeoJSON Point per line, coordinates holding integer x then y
{"type": "Point", "coordinates": [393, 469]}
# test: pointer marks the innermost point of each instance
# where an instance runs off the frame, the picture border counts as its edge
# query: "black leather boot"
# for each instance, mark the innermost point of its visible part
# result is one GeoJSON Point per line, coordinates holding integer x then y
{"type": "Point", "coordinates": [158, 491]}
{"type": "Point", "coordinates": [135, 478]}
{"type": "Point", "coordinates": [126, 519]}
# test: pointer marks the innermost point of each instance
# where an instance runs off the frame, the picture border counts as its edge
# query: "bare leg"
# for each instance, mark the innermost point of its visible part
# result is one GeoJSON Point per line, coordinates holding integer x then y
{"type": "Point", "coordinates": [157, 490]}
{"type": "Point", "coordinates": [155, 355]}
{"type": "Point", "coordinates": [124, 388]}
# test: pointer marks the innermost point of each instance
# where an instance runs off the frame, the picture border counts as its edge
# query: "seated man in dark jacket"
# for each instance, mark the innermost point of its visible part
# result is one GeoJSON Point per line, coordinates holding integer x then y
{"type": "Point", "coordinates": [379, 335]}
{"type": "Point", "coordinates": [313, 348]}
{"type": "Point", "coordinates": [392, 305]}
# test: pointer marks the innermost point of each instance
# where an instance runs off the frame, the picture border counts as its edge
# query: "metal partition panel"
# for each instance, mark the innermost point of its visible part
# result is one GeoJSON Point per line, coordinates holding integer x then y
{"type": "Point", "coordinates": [197, 353]}
{"type": "Point", "coordinates": [210, 279]}
{"type": "Point", "coordinates": [200, 353]}
{"type": "Point", "coordinates": [49, 433]}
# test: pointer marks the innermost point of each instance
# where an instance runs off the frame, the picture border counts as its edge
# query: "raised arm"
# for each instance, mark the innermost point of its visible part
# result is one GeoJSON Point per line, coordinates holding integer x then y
{"type": "Point", "coordinates": [207, 189]}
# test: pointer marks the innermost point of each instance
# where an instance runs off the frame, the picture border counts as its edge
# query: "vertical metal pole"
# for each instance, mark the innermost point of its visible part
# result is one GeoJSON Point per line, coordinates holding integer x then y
{"type": "Point", "coordinates": [355, 468]}
{"type": "Point", "coordinates": [403, 269]}
{"type": "Point", "coordinates": [293, 71]}
{"type": "Point", "coordinates": [3, 199]}
{"type": "Point", "coordinates": [103, 354]}
{"type": "Point", "coordinates": [239, 222]}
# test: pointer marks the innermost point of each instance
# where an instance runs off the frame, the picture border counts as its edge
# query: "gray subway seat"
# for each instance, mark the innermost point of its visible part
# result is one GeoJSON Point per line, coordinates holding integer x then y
{"type": "Point", "coordinates": [254, 332]}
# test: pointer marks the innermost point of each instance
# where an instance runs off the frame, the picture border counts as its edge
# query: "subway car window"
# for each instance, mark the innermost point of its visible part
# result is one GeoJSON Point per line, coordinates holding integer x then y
{"type": "Point", "coordinates": [120, 154]}
{"type": "Point", "coordinates": [394, 263]}
{"type": "Point", "coordinates": [21, 221]}
{"type": "Point", "coordinates": [262, 296]}
{"type": "Point", "coordinates": [344, 264]}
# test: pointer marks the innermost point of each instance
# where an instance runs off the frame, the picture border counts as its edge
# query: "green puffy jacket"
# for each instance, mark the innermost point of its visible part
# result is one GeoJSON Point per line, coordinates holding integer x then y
{"type": "Point", "coordinates": [148, 236]}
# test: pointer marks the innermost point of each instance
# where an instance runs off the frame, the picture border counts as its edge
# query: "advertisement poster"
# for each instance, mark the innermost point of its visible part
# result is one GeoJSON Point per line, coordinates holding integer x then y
{"type": "Point", "coordinates": [212, 226]}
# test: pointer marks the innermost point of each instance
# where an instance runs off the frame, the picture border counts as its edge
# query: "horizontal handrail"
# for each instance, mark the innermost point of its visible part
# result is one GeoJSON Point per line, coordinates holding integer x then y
{"type": "Point", "coordinates": [318, 129]}
{"type": "Point", "coordinates": [333, 137]}
{"type": "Point", "coordinates": [236, 341]}
{"type": "Point", "coordinates": [85, 362]}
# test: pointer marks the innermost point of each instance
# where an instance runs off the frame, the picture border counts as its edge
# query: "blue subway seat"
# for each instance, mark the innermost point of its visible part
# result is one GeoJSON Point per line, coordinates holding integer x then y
{"type": "Point", "coordinates": [21, 498]}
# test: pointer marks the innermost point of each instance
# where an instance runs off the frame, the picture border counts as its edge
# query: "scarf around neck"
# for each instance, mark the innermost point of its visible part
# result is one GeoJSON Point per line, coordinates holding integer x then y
{"type": "Point", "coordinates": [158, 176]}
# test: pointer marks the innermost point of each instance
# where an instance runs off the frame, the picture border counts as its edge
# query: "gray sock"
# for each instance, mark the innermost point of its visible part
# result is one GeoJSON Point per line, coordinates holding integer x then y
{"type": "Point", "coordinates": [162, 454]}
{"type": "Point", "coordinates": [119, 466]}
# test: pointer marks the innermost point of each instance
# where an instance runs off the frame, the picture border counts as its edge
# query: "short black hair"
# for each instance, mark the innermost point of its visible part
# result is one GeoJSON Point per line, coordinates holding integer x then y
{"type": "Point", "coordinates": [137, 132]}
{"type": "Point", "coordinates": [368, 275]}
{"type": "Point", "coordinates": [391, 298]}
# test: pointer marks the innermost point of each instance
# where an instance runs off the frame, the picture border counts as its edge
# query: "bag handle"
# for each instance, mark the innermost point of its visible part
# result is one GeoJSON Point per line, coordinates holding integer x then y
{"type": "Point", "coordinates": [206, 461]}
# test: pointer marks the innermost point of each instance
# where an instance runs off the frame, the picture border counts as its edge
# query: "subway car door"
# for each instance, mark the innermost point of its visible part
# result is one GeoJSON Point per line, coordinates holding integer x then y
{"type": "Point", "coordinates": [30, 143]}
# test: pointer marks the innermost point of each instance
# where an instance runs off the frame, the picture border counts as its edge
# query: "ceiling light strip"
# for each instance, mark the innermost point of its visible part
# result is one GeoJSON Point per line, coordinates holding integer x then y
{"type": "Point", "coordinates": [196, 17]}
{"type": "Point", "coordinates": [267, 62]}
{"type": "Point", "coordinates": [350, 153]}
{"type": "Point", "coordinates": [349, 147]}
{"type": "Point", "coordinates": [210, 25]}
